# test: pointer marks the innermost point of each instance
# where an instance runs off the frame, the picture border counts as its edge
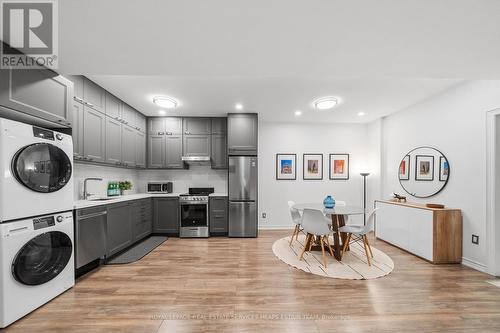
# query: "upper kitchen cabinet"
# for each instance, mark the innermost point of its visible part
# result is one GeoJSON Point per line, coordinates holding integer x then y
{"type": "Point", "coordinates": [113, 107]}
{"type": "Point", "coordinates": [219, 125]}
{"type": "Point", "coordinates": [40, 93]}
{"type": "Point", "coordinates": [140, 149]}
{"type": "Point", "coordinates": [77, 130]}
{"type": "Point", "coordinates": [196, 145]}
{"type": "Point", "coordinates": [156, 151]}
{"type": "Point", "coordinates": [197, 126]}
{"type": "Point", "coordinates": [77, 87]}
{"type": "Point", "coordinates": [94, 129]}
{"type": "Point", "coordinates": [128, 115]}
{"type": "Point", "coordinates": [218, 159]}
{"type": "Point", "coordinates": [173, 152]}
{"type": "Point", "coordinates": [173, 125]}
{"type": "Point", "coordinates": [93, 95]}
{"type": "Point", "coordinates": [242, 133]}
{"type": "Point", "coordinates": [140, 122]}
{"type": "Point", "coordinates": [113, 141]}
{"type": "Point", "coordinates": [128, 146]}
{"type": "Point", "coordinates": [156, 126]}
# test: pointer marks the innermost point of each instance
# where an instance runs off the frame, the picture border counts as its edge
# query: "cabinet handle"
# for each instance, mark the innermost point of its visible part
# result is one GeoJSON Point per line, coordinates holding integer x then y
{"type": "Point", "coordinates": [160, 133]}
{"type": "Point", "coordinates": [89, 104]}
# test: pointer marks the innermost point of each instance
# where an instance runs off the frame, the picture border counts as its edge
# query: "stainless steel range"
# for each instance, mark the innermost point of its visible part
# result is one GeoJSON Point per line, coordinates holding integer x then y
{"type": "Point", "coordinates": [194, 212]}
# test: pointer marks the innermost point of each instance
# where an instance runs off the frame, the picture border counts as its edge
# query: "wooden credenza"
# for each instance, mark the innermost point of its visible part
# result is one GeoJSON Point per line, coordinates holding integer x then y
{"type": "Point", "coordinates": [432, 234]}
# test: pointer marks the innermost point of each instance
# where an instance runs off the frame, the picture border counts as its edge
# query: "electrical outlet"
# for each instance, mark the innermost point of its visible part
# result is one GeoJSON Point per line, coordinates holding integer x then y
{"type": "Point", "coordinates": [264, 215]}
{"type": "Point", "coordinates": [475, 239]}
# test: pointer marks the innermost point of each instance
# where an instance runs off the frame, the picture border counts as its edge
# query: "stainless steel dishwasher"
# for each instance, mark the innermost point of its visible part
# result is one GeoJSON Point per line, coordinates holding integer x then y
{"type": "Point", "coordinates": [90, 234]}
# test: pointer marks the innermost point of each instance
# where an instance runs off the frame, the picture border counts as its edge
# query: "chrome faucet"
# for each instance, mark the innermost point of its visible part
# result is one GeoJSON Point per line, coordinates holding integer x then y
{"type": "Point", "coordinates": [85, 193]}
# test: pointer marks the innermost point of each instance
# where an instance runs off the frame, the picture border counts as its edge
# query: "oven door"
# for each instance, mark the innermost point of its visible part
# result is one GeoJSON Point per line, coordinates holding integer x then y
{"type": "Point", "coordinates": [194, 215]}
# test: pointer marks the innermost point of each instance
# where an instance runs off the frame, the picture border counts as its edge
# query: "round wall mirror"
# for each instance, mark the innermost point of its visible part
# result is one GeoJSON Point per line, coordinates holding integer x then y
{"type": "Point", "coordinates": [424, 172]}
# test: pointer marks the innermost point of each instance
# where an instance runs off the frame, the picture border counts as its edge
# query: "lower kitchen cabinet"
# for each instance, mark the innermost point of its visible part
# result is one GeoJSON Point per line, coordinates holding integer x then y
{"type": "Point", "coordinates": [166, 215]}
{"type": "Point", "coordinates": [119, 227]}
{"type": "Point", "coordinates": [218, 207]}
{"type": "Point", "coordinates": [142, 223]}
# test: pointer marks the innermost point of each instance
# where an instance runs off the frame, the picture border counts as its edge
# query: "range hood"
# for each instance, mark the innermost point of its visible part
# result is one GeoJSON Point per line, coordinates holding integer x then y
{"type": "Point", "coordinates": [196, 159]}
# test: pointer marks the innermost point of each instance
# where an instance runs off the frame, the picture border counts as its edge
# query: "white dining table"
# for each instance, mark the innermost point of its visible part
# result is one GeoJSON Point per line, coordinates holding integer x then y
{"type": "Point", "coordinates": [337, 215]}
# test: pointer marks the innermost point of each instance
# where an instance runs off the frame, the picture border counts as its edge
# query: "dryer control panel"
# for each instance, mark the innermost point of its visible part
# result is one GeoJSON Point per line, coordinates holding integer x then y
{"type": "Point", "coordinates": [44, 222]}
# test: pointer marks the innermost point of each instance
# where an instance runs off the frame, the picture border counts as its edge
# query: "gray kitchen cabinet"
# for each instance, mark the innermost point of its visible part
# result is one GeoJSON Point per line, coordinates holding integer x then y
{"type": "Point", "coordinates": [142, 223]}
{"type": "Point", "coordinates": [242, 133]}
{"type": "Point", "coordinates": [94, 124]}
{"type": "Point", "coordinates": [166, 215]}
{"type": "Point", "coordinates": [93, 95]}
{"type": "Point", "coordinates": [218, 207]}
{"type": "Point", "coordinates": [156, 126]}
{"type": "Point", "coordinates": [128, 115]}
{"type": "Point", "coordinates": [113, 106]}
{"type": "Point", "coordinates": [219, 125]}
{"type": "Point", "coordinates": [196, 125]}
{"type": "Point", "coordinates": [156, 151]}
{"type": "Point", "coordinates": [40, 93]}
{"type": "Point", "coordinates": [173, 125]}
{"type": "Point", "coordinates": [196, 145]}
{"type": "Point", "coordinates": [128, 146]}
{"type": "Point", "coordinates": [218, 157]}
{"type": "Point", "coordinates": [140, 122]}
{"type": "Point", "coordinates": [77, 130]}
{"type": "Point", "coordinates": [77, 87]}
{"type": "Point", "coordinates": [140, 149]}
{"type": "Point", "coordinates": [173, 152]}
{"type": "Point", "coordinates": [119, 227]}
{"type": "Point", "coordinates": [113, 141]}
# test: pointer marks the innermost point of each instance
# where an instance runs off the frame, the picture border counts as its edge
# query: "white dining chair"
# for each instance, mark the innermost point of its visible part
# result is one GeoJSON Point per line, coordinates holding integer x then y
{"type": "Point", "coordinates": [315, 224]}
{"type": "Point", "coordinates": [297, 219]}
{"type": "Point", "coordinates": [356, 233]}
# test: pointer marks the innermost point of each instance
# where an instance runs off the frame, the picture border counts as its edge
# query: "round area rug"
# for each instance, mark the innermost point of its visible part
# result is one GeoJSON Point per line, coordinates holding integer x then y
{"type": "Point", "coordinates": [352, 267]}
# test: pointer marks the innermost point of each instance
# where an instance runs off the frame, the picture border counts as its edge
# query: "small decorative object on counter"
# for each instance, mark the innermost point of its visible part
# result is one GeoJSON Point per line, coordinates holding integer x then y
{"type": "Point", "coordinates": [125, 186]}
{"type": "Point", "coordinates": [399, 198]}
{"type": "Point", "coordinates": [113, 189]}
{"type": "Point", "coordinates": [329, 202]}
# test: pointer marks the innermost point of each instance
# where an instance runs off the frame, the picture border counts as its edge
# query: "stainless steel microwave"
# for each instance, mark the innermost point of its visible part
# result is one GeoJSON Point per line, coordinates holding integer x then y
{"type": "Point", "coordinates": [160, 187]}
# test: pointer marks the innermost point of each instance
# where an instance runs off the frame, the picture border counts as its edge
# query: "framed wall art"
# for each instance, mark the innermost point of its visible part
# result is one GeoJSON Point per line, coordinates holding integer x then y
{"type": "Point", "coordinates": [339, 166]}
{"type": "Point", "coordinates": [444, 169]}
{"type": "Point", "coordinates": [312, 167]}
{"type": "Point", "coordinates": [404, 168]}
{"type": "Point", "coordinates": [286, 166]}
{"type": "Point", "coordinates": [424, 167]}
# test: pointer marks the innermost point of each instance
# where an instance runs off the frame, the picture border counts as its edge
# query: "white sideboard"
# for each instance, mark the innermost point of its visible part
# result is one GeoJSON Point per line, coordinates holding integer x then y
{"type": "Point", "coordinates": [430, 233]}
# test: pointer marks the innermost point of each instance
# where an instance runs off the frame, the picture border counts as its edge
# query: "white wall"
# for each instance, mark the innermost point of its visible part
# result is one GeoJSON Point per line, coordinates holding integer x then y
{"type": "Point", "coordinates": [195, 176]}
{"type": "Point", "coordinates": [310, 138]}
{"type": "Point", "coordinates": [454, 122]}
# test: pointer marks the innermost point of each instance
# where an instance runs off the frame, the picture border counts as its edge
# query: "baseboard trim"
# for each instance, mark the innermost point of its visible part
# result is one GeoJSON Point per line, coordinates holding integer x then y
{"type": "Point", "coordinates": [474, 265]}
{"type": "Point", "coordinates": [275, 227]}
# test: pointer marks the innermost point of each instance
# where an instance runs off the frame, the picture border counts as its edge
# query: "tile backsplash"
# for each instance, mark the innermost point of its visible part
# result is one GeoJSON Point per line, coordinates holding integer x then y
{"type": "Point", "coordinates": [195, 176]}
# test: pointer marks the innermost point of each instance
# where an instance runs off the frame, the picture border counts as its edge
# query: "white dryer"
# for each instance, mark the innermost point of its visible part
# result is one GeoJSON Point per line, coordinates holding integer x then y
{"type": "Point", "coordinates": [36, 263]}
{"type": "Point", "coordinates": [36, 167]}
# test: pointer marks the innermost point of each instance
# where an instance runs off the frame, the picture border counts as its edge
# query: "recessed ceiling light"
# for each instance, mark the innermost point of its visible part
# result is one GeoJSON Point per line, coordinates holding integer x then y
{"type": "Point", "coordinates": [165, 102]}
{"type": "Point", "coordinates": [325, 103]}
{"type": "Point", "coordinates": [162, 112]}
{"type": "Point", "coordinates": [238, 106]}
{"type": "Point", "coordinates": [361, 114]}
{"type": "Point", "coordinates": [298, 113]}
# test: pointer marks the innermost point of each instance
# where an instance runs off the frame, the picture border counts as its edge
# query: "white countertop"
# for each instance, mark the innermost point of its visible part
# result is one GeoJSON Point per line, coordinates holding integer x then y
{"type": "Point", "coordinates": [90, 203]}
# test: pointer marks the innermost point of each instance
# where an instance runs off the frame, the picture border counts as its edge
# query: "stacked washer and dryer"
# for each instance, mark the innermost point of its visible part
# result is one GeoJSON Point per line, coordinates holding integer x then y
{"type": "Point", "coordinates": [36, 219]}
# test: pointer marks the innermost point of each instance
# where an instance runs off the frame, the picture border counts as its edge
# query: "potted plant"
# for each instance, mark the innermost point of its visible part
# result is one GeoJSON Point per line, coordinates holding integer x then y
{"type": "Point", "coordinates": [125, 186]}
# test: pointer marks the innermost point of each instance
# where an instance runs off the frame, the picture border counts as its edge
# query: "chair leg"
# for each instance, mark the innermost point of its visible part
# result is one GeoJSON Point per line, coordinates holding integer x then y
{"type": "Point", "coordinates": [366, 251]}
{"type": "Point", "coordinates": [329, 246]}
{"type": "Point", "coordinates": [293, 234]}
{"type": "Point", "coordinates": [322, 250]}
{"type": "Point", "coordinates": [369, 246]}
{"type": "Point", "coordinates": [306, 244]}
{"type": "Point", "coordinates": [346, 244]}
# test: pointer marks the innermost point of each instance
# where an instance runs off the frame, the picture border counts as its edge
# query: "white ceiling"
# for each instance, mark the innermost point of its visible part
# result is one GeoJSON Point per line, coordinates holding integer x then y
{"type": "Point", "coordinates": [277, 56]}
{"type": "Point", "coordinates": [275, 99]}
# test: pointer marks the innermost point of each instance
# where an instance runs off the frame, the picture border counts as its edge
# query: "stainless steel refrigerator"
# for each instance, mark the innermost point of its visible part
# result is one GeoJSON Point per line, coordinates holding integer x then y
{"type": "Point", "coordinates": [242, 196]}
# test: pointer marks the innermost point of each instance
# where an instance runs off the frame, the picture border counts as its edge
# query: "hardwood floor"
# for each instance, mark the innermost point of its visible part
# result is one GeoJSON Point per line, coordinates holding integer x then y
{"type": "Point", "coordinates": [238, 285]}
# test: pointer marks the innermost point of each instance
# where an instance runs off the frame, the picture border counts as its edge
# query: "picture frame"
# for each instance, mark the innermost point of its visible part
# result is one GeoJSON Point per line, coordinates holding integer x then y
{"type": "Point", "coordinates": [339, 166]}
{"type": "Point", "coordinates": [444, 169]}
{"type": "Point", "coordinates": [424, 168]}
{"type": "Point", "coordinates": [404, 168]}
{"type": "Point", "coordinates": [286, 166]}
{"type": "Point", "coordinates": [312, 166]}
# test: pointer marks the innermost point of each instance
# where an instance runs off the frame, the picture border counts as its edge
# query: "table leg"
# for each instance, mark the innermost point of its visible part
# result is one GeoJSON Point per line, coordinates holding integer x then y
{"type": "Point", "coordinates": [336, 239]}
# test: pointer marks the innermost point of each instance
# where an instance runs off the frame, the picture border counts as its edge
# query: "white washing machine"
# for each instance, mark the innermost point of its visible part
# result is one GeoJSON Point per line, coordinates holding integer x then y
{"type": "Point", "coordinates": [36, 263]}
{"type": "Point", "coordinates": [36, 167]}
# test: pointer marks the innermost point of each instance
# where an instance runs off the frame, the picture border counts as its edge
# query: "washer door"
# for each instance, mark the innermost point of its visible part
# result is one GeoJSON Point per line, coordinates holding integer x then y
{"type": "Point", "coordinates": [42, 258]}
{"type": "Point", "coordinates": [42, 167]}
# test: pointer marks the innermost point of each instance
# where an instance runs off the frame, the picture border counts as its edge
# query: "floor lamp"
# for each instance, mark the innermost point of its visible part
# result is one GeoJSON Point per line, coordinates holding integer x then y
{"type": "Point", "coordinates": [364, 174]}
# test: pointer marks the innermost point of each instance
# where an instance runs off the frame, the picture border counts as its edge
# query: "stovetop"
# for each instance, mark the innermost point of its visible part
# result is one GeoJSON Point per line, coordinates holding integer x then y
{"type": "Point", "coordinates": [199, 192]}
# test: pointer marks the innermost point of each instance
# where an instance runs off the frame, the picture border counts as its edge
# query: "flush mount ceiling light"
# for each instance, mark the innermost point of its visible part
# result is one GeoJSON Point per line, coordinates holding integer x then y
{"type": "Point", "coordinates": [298, 113]}
{"type": "Point", "coordinates": [165, 102]}
{"type": "Point", "coordinates": [325, 103]}
{"type": "Point", "coordinates": [162, 112]}
{"type": "Point", "coordinates": [361, 114]}
{"type": "Point", "coordinates": [238, 106]}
